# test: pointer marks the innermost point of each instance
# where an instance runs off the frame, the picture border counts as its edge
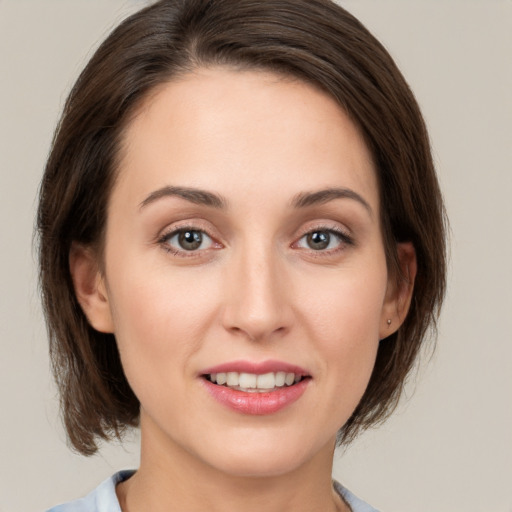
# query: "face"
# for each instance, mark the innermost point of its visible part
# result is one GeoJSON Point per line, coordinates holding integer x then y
{"type": "Point", "coordinates": [243, 244]}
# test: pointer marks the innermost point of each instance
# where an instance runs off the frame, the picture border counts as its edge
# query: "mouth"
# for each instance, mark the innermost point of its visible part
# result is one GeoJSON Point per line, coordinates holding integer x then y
{"type": "Point", "coordinates": [255, 383]}
{"type": "Point", "coordinates": [256, 388]}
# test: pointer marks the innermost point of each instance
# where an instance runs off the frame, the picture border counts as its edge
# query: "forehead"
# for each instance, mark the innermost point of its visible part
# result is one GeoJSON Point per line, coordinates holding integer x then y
{"type": "Point", "coordinates": [249, 130]}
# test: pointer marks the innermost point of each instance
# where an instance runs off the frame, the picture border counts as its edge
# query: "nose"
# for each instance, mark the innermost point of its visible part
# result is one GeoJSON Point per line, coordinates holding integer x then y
{"type": "Point", "coordinates": [257, 302]}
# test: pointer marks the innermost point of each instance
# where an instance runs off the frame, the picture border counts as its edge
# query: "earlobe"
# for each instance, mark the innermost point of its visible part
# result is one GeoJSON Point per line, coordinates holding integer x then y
{"type": "Point", "coordinates": [90, 288]}
{"type": "Point", "coordinates": [399, 291]}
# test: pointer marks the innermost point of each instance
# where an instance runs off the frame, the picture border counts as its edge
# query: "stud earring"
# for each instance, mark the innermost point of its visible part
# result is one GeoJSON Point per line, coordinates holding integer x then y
{"type": "Point", "coordinates": [389, 321]}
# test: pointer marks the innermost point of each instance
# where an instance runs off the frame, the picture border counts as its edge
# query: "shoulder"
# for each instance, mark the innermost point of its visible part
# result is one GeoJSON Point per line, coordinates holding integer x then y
{"type": "Point", "coordinates": [102, 499]}
{"type": "Point", "coordinates": [355, 504]}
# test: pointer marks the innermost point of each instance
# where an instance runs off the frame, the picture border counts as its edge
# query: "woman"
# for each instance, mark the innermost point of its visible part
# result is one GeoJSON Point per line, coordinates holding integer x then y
{"type": "Point", "coordinates": [241, 250]}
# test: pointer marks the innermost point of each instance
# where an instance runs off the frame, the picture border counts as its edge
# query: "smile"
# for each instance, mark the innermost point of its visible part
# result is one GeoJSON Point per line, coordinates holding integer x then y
{"type": "Point", "coordinates": [256, 388]}
{"type": "Point", "coordinates": [254, 383]}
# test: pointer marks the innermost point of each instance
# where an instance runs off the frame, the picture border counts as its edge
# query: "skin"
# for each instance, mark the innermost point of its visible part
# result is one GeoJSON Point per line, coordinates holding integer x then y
{"type": "Point", "coordinates": [254, 290]}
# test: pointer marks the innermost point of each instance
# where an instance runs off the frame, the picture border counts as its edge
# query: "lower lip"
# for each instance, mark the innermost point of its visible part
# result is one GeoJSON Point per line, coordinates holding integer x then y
{"type": "Point", "coordinates": [257, 403]}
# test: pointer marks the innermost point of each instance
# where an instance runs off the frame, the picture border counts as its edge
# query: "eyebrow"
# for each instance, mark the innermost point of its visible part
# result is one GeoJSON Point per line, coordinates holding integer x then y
{"type": "Point", "coordinates": [305, 199]}
{"type": "Point", "coordinates": [194, 195]}
{"type": "Point", "coordinates": [301, 200]}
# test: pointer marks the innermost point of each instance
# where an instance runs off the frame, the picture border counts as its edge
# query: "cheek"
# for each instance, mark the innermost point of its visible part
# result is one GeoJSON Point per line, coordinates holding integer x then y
{"type": "Point", "coordinates": [344, 318]}
{"type": "Point", "coordinates": [160, 317]}
{"type": "Point", "coordinates": [346, 304]}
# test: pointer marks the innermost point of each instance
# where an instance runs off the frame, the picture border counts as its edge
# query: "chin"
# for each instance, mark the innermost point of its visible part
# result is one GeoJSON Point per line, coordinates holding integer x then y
{"type": "Point", "coordinates": [262, 458]}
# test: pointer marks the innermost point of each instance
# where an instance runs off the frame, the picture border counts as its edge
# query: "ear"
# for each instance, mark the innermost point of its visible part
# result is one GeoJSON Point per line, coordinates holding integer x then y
{"type": "Point", "coordinates": [399, 291]}
{"type": "Point", "coordinates": [90, 288]}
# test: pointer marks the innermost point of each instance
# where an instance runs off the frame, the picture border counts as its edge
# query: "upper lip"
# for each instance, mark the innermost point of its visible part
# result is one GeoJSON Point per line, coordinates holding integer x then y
{"type": "Point", "coordinates": [258, 368]}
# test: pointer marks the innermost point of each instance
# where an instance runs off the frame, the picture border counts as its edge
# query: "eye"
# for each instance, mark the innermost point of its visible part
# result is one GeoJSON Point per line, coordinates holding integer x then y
{"type": "Point", "coordinates": [323, 240]}
{"type": "Point", "coordinates": [188, 240]}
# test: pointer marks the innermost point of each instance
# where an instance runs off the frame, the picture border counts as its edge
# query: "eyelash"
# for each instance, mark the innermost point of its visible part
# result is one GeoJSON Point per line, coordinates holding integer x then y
{"type": "Point", "coordinates": [163, 241]}
{"type": "Point", "coordinates": [343, 238]}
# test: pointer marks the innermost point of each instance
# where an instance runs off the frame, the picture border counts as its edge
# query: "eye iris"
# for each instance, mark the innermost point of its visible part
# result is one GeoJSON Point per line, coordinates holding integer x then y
{"type": "Point", "coordinates": [190, 240]}
{"type": "Point", "coordinates": [318, 240]}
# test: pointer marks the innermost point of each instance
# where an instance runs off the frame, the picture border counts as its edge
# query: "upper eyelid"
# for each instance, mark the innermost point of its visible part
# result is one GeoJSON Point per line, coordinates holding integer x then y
{"type": "Point", "coordinates": [164, 238]}
{"type": "Point", "coordinates": [333, 227]}
{"type": "Point", "coordinates": [200, 225]}
{"type": "Point", "coordinates": [183, 226]}
{"type": "Point", "coordinates": [344, 236]}
{"type": "Point", "coordinates": [172, 233]}
{"type": "Point", "coordinates": [337, 233]}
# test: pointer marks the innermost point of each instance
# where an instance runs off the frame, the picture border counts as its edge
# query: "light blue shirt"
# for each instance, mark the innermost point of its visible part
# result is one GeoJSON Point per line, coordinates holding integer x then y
{"type": "Point", "coordinates": [104, 498]}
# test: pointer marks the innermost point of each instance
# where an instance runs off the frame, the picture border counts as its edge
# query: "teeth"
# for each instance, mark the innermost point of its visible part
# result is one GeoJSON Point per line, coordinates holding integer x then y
{"type": "Point", "coordinates": [280, 378]}
{"type": "Point", "coordinates": [252, 383]}
{"type": "Point", "coordinates": [232, 379]}
{"type": "Point", "coordinates": [266, 381]}
{"type": "Point", "coordinates": [247, 380]}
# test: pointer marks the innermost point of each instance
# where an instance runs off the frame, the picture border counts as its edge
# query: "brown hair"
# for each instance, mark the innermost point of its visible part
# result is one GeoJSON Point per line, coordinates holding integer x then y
{"type": "Point", "coordinates": [314, 40]}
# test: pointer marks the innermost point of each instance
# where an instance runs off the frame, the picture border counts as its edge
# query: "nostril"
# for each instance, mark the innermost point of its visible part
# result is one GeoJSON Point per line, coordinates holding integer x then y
{"type": "Point", "coordinates": [257, 334]}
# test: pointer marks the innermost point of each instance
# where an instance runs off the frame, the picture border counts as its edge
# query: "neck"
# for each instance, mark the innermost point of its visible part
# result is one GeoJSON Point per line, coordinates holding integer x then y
{"type": "Point", "coordinates": [172, 479]}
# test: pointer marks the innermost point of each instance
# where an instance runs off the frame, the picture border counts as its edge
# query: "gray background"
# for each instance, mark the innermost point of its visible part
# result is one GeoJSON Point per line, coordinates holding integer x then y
{"type": "Point", "coordinates": [450, 447]}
